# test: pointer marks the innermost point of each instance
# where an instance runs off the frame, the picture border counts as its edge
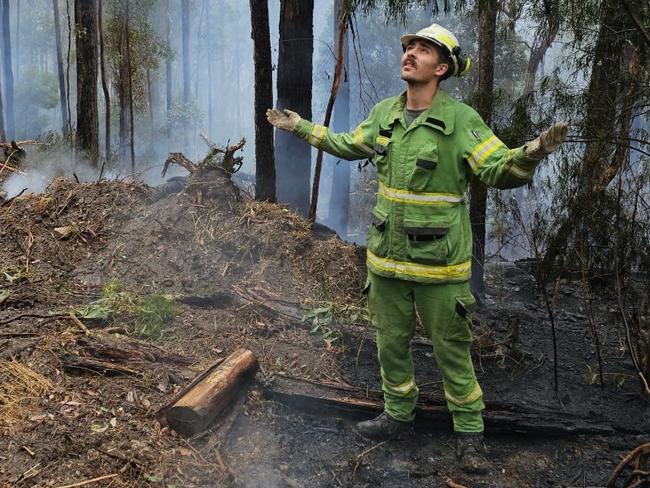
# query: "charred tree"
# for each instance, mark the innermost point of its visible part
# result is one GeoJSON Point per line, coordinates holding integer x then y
{"type": "Point", "coordinates": [605, 97]}
{"type": "Point", "coordinates": [107, 96]}
{"type": "Point", "coordinates": [478, 191]}
{"type": "Point", "coordinates": [264, 158]}
{"type": "Point", "coordinates": [168, 68]}
{"type": "Point", "coordinates": [10, 121]}
{"type": "Point", "coordinates": [294, 85]}
{"type": "Point", "coordinates": [339, 203]}
{"type": "Point", "coordinates": [63, 96]}
{"type": "Point", "coordinates": [127, 39]}
{"type": "Point", "coordinates": [86, 44]}
{"type": "Point", "coordinates": [3, 134]}
{"type": "Point", "coordinates": [185, 26]}
{"type": "Point", "coordinates": [544, 37]}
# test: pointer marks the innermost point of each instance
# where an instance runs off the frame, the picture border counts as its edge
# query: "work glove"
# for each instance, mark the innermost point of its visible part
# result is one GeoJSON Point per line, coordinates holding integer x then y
{"type": "Point", "coordinates": [547, 142]}
{"type": "Point", "coordinates": [285, 120]}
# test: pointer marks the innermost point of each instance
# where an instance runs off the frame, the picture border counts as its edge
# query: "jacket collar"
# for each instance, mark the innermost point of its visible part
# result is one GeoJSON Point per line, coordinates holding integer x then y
{"type": "Point", "coordinates": [440, 115]}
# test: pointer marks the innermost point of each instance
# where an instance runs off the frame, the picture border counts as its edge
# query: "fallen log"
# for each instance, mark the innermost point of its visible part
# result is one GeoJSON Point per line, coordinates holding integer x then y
{"type": "Point", "coordinates": [357, 402]}
{"type": "Point", "coordinates": [208, 398]}
{"type": "Point", "coordinates": [71, 362]}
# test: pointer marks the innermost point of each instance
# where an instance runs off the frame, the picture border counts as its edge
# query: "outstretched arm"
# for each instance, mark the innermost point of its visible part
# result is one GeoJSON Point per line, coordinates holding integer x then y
{"type": "Point", "coordinates": [357, 144]}
{"type": "Point", "coordinates": [498, 166]}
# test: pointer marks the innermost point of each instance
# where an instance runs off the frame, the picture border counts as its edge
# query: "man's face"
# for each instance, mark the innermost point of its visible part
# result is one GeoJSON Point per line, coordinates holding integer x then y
{"type": "Point", "coordinates": [421, 63]}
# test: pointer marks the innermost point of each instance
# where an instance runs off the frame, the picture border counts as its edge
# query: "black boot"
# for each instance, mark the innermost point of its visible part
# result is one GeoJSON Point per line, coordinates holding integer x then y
{"type": "Point", "coordinates": [384, 427]}
{"type": "Point", "coordinates": [470, 451]}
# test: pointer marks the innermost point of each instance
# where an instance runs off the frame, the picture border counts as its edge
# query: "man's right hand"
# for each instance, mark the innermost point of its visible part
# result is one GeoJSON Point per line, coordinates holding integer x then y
{"type": "Point", "coordinates": [285, 120]}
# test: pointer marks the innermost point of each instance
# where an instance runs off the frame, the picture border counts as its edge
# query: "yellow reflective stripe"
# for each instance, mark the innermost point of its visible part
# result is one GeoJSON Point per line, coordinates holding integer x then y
{"type": "Point", "coordinates": [402, 389]}
{"type": "Point", "coordinates": [483, 151]}
{"type": "Point", "coordinates": [405, 196]}
{"type": "Point", "coordinates": [461, 270]}
{"type": "Point", "coordinates": [471, 397]}
{"type": "Point", "coordinates": [446, 39]}
{"type": "Point", "coordinates": [520, 172]}
{"type": "Point", "coordinates": [357, 140]}
{"type": "Point", "coordinates": [383, 140]}
{"type": "Point", "coordinates": [317, 135]}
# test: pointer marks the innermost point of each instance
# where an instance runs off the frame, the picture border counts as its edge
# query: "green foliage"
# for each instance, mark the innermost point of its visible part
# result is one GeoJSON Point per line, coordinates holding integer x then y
{"type": "Point", "coordinates": [145, 316]}
{"type": "Point", "coordinates": [321, 323]}
{"type": "Point", "coordinates": [153, 312]}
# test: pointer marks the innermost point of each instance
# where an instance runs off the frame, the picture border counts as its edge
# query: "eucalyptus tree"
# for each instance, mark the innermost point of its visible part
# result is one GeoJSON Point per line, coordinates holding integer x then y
{"type": "Point", "coordinates": [294, 91]}
{"type": "Point", "coordinates": [86, 45]}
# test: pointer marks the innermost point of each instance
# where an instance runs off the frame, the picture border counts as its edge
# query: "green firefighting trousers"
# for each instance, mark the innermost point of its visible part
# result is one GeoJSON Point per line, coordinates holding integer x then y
{"type": "Point", "coordinates": [444, 310]}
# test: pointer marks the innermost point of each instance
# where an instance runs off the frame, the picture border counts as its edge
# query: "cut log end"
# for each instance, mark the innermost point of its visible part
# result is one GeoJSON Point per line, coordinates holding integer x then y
{"type": "Point", "coordinates": [210, 397]}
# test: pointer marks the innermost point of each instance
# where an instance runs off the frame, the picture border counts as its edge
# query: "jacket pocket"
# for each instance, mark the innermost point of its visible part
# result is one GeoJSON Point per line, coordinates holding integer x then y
{"type": "Point", "coordinates": [381, 148]}
{"type": "Point", "coordinates": [377, 239]}
{"type": "Point", "coordinates": [427, 240]}
{"type": "Point", "coordinates": [425, 164]}
{"type": "Point", "coordinates": [459, 327]}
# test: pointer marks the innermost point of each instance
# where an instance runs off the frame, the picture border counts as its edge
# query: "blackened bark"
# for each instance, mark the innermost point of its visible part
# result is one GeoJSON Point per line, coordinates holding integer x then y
{"type": "Point", "coordinates": [86, 44]}
{"type": "Point", "coordinates": [107, 96]}
{"type": "Point", "coordinates": [168, 69]}
{"type": "Point", "coordinates": [294, 84]}
{"type": "Point", "coordinates": [185, 26]}
{"type": "Point", "coordinates": [8, 72]}
{"type": "Point", "coordinates": [339, 203]}
{"type": "Point", "coordinates": [606, 88]}
{"type": "Point", "coordinates": [478, 191]}
{"type": "Point", "coordinates": [3, 134]}
{"type": "Point", "coordinates": [130, 71]}
{"type": "Point", "coordinates": [60, 71]}
{"type": "Point", "coordinates": [264, 154]}
{"type": "Point", "coordinates": [123, 86]}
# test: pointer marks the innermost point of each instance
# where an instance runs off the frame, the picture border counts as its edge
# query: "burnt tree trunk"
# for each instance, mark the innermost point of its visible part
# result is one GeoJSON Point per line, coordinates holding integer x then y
{"type": "Point", "coordinates": [86, 44]}
{"type": "Point", "coordinates": [478, 191]}
{"type": "Point", "coordinates": [3, 135]}
{"type": "Point", "coordinates": [264, 157]}
{"type": "Point", "coordinates": [185, 26]}
{"type": "Point", "coordinates": [339, 204]}
{"type": "Point", "coordinates": [60, 71]}
{"type": "Point", "coordinates": [168, 69]}
{"type": "Point", "coordinates": [600, 123]}
{"type": "Point", "coordinates": [107, 96]}
{"type": "Point", "coordinates": [127, 34]}
{"type": "Point", "coordinates": [294, 84]}
{"type": "Point", "coordinates": [10, 122]}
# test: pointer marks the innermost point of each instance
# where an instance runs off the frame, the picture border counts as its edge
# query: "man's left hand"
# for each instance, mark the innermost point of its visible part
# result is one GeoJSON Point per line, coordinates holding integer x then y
{"type": "Point", "coordinates": [547, 142]}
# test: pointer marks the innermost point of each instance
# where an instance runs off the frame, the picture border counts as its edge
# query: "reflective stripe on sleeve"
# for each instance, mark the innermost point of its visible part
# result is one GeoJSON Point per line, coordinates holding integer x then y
{"type": "Point", "coordinates": [471, 397]}
{"type": "Point", "coordinates": [357, 140]}
{"type": "Point", "coordinates": [483, 151]}
{"type": "Point", "coordinates": [437, 272]}
{"type": "Point", "coordinates": [317, 135]}
{"type": "Point", "coordinates": [520, 172]}
{"type": "Point", "coordinates": [405, 196]}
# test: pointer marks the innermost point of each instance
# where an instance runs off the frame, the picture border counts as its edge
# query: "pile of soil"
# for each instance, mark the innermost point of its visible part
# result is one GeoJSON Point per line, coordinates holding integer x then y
{"type": "Point", "coordinates": [246, 274]}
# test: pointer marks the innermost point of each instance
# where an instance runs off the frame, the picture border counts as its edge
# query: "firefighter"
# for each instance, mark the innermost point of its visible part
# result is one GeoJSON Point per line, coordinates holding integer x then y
{"type": "Point", "coordinates": [426, 147]}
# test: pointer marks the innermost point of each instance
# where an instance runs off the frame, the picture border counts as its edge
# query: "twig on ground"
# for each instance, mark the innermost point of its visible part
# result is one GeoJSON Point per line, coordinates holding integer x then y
{"type": "Point", "coordinates": [87, 482]}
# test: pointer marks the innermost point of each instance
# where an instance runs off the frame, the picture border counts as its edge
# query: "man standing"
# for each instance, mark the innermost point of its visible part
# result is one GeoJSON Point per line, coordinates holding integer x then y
{"type": "Point", "coordinates": [426, 146]}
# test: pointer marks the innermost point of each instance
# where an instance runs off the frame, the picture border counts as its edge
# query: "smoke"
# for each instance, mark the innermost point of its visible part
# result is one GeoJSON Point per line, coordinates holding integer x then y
{"type": "Point", "coordinates": [43, 167]}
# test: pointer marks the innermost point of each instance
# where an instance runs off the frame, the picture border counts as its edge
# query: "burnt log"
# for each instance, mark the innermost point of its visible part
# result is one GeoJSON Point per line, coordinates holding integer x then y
{"type": "Point", "coordinates": [208, 398]}
{"type": "Point", "coordinates": [360, 403]}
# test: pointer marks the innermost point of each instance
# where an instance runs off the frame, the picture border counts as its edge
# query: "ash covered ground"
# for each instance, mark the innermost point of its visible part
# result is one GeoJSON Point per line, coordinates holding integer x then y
{"type": "Point", "coordinates": [240, 273]}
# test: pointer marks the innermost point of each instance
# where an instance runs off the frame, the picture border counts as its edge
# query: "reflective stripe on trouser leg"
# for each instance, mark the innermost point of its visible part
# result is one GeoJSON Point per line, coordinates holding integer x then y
{"type": "Point", "coordinates": [441, 308]}
{"type": "Point", "coordinates": [392, 310]}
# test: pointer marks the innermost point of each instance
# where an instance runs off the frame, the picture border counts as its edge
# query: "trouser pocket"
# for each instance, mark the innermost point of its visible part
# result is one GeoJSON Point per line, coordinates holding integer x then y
{"type": "Point", "coordinates": [459, 326]}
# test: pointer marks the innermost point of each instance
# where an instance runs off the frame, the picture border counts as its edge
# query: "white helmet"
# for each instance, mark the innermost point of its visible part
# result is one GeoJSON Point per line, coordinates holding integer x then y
{"type": "Point", "coordinates": [444, 39]}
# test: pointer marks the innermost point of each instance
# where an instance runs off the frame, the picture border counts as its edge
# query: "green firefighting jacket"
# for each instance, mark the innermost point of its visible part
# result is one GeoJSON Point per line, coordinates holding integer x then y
{"type": "Point", "coordinates": [421, 229]}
